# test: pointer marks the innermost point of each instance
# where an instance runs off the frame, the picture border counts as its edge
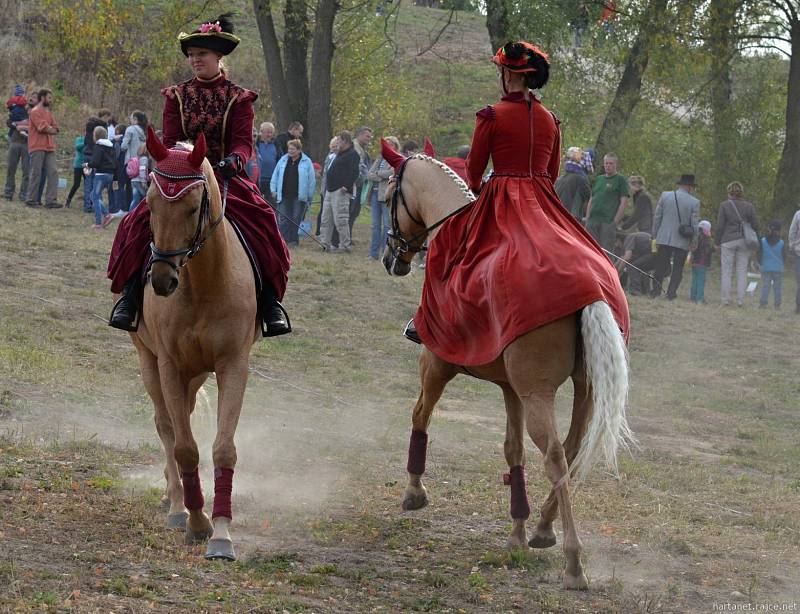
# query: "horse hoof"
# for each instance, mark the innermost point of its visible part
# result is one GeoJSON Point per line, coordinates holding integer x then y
{"type": "Point", "coordinates": [539, 541]}
{"type": "Point", "coordinates": [177, 521]}
{"type": "Point", "coordinates": [515, 543]}
{"type": "Point", "coordinates": [198, 537]}
{"type": "Point", "coordinates": [414, 502]}
{"type": "Point", "coordinates": [576, 583]}
{"type": "Point", "coordinates": [220, 549]}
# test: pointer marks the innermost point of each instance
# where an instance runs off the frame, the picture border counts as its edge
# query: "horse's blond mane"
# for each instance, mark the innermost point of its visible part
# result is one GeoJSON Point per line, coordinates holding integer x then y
{"type": "Point", "coordinates": [460, 183]}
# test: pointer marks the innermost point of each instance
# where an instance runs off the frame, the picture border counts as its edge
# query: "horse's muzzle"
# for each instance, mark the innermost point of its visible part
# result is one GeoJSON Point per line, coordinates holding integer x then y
{"type": "Point", "coordinates": [393, 265]}
{"type": "Point", "coordinates": [165, 283]}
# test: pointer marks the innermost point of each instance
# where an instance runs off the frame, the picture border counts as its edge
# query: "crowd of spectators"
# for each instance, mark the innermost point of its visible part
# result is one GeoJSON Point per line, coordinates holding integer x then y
{"type": "Point", "coordinates": [111, 163]}
{"type": "Point", "coordinates": [649, 246]}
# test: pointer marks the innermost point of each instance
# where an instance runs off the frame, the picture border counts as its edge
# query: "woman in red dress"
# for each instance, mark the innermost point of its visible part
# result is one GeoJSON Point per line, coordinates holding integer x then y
{"type": "Point", "coordinates": [210, 104]}
{"type": "Point", "coordinates": [516, 259]}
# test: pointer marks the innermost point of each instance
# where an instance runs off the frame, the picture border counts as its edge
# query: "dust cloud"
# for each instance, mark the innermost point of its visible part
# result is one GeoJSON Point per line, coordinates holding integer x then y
{"type": "Point", "coordinates": [298, 450]}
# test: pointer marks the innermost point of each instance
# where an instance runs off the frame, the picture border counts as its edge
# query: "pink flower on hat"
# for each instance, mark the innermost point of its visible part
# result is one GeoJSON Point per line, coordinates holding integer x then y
{"type": "Point", "coordinates": [210, 27]}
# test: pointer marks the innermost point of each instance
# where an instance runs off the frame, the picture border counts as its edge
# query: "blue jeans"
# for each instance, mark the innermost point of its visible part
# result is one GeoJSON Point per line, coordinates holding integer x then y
{"type": "Point", "coordinates": [380, 225]}
{"type": "Point", "coordinates": [88, 189]}
{"type": "Point", "coordinates": [698, 284]}
{"type": "Point", "coordinates": [774, 279]}
{"type": "Point", "coordinates": [290, 213]}
{"type": "Point", "coordinates": [139, 192]}
{"type": "Point", "coordinates": [797, 280]}
{"type": "Point", "coordinates": [102, 181]}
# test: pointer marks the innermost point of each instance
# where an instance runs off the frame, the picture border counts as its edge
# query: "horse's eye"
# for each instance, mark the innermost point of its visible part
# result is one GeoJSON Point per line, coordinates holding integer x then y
{"type": "Point", "coordinates": [193, 210]}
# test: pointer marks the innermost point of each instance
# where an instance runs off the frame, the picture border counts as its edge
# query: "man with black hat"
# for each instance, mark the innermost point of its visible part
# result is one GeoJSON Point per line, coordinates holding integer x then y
{"type": "Point", "coordinates": [675, 227]}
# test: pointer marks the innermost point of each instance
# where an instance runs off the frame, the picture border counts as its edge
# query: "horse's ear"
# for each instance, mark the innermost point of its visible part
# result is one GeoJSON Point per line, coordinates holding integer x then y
{"type": "Point", "coordinates": [199, 151]}
{"type": "Point", "coordinates": [394, 158]}
{"type": "Point", "coordinates": [428, 148]}
{"type": "Point", "coordinates": [155, 146]}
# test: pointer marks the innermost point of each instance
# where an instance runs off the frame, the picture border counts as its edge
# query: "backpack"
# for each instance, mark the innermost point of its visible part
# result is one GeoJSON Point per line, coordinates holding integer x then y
{"type": "Point", "coordinates": [132, 168]}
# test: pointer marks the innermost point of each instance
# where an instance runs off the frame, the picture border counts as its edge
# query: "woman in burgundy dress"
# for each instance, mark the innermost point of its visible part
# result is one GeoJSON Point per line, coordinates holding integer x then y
{"type": "Point", "coordinates": [516, 259]}
{"type": "Point", "coordinates": [210, 104]}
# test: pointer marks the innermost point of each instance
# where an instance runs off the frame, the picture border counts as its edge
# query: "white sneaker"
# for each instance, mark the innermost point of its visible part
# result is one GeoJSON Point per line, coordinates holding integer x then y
{"type": "Point", "coordinates": [119, 213]}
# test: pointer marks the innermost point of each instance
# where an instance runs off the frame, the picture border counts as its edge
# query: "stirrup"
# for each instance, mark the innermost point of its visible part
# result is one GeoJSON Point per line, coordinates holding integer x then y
{"type": "Point", "coordinates": [410, 332]}
{"type": "Point", "coordinates": [132, 327]}
{"type": "Point", "coordinates": [265, 332]}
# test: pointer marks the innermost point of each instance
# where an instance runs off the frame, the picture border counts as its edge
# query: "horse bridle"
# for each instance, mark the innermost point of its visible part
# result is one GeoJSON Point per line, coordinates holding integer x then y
{"type": "Point", "coordinates": [416, 243]}
{"type": "Point", "coordinates": [200, 237]}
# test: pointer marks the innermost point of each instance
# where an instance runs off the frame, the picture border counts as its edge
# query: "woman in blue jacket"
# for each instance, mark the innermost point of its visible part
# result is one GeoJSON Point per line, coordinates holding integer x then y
{"type": "Point", "coordinates": [292, 185]}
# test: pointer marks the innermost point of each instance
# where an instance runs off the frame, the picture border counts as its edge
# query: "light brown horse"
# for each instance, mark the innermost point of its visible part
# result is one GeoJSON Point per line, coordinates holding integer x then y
{"type": "Point", "coordinates": [587, 347]}
{"type": "Point", "coordinates": [198, 317]}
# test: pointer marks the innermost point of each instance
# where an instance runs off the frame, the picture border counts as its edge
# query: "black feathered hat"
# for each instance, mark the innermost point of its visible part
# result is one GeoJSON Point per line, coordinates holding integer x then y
{"type": "Point", "coordinates": [216, 35]}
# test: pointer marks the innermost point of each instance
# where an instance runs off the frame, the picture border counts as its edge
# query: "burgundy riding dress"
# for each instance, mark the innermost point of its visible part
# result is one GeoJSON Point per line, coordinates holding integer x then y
{"type": "Point", "coordinates": [516, 259]}
{"type": "Point", "coordinates": [223, 112]}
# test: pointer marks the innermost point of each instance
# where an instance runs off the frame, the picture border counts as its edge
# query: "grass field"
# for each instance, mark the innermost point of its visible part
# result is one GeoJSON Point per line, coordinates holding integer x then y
{"type": "Point", "coordinates": [706, 511]}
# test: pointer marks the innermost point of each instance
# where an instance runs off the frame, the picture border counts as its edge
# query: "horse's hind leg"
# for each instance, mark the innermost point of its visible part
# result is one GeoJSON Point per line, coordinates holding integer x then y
{"type": "Point", "coordinates": [542, 429]}
{"type": "Point", "coordinates": [176, 513]}
{"type": "Point", "coordinates": [434, 376]}
{"type": "Point", "coordinates": [544, 536]}
{"type": "Point", "coordinates": [515, 457]}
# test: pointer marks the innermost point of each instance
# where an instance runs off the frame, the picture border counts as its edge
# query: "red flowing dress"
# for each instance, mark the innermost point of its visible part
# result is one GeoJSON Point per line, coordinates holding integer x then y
{"type": "Point", "coordinates": [516, 259]}
{"type": "Point", "coordinates": [223, 112]}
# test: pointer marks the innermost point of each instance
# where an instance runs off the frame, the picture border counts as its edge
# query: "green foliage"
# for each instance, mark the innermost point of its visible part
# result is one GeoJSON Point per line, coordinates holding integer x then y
{"type": "Point", "coordinates": [461, 5]}
{"type": "Point", "coordinates": [127, 46]}
{"type": "Point", "coordinates": [368, 87]}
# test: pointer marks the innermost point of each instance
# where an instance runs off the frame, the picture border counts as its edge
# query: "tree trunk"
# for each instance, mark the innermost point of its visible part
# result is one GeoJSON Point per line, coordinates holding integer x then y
{"type": "Point", "coordinates": [497, 22]}
{"type": "Point", "coordinates": [319, 105]}
{"type": "Point", "coordinates": [787, 182]}
{"type": "Point", "coordinates": [722, 48]}
{"type": "Point", "coordinates": [629, 90]}
{"type": "Point", "coordinates": [295, 54]}
{"type": "Point", "coordinates": [279, 92]}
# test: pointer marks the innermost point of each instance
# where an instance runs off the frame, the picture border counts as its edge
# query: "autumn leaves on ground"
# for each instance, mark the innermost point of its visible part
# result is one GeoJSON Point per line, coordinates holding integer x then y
{"type": "Point", "coordinates": [706, 511]}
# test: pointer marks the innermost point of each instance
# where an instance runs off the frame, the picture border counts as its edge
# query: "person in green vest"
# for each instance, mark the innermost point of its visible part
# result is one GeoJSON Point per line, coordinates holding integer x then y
{"type": "Point", "coordinates": [77, 168]}
{"type": "Point", "coordinates": [610, 195]}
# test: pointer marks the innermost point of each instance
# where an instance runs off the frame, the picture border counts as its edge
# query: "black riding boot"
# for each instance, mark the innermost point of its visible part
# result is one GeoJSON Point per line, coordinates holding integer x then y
{"type": "Point", "coordinates": [410, 332]}
{"type": "Point", "coordinates": [274, 319]}
{"type": "Point", "coordinates": [124, 314]}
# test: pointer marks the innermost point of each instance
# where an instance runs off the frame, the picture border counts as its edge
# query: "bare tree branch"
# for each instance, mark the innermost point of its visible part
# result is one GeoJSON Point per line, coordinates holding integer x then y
{"type": "Point", "coordinates": [438, 34]}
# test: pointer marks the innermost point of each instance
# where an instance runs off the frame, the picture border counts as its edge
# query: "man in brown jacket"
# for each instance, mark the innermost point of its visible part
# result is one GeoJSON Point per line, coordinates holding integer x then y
{"type": "Point", "coordinates": [42, 150]}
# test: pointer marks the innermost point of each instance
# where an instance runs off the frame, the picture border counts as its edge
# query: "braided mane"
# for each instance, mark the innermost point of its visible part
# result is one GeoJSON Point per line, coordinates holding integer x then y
{"type": "Point", "coordinates": [460, 183]}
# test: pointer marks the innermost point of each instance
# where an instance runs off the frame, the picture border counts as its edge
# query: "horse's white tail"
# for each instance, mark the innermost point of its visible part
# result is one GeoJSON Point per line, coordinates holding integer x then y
{"type": "Point", "coordinates": [606, 359]}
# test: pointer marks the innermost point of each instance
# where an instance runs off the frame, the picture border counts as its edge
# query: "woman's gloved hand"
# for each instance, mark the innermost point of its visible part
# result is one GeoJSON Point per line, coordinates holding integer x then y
{"type": "Point", "coordinates": [229, 167]}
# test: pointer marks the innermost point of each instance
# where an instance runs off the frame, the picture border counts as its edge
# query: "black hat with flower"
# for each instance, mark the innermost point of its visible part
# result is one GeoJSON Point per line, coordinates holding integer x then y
{"type": "Point", "coordinates": [524, 58]}
{"type": "Point", "coordinates": [520, 57]}
{"type": "Point", "coordinates": [216, 35]}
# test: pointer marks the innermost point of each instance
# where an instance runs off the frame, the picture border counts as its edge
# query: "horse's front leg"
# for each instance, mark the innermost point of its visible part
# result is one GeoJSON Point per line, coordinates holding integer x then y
{"type": "Point", "coordinates": [434, 376]}
{"type": "Point", "coordinates": [176, 390]}
{"type": "Point", "coordinates": [232, 381]}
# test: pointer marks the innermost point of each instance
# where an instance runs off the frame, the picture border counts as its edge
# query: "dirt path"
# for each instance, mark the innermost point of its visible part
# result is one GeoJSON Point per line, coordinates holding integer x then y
{"type": "Point", "coordinates": [706, 511]}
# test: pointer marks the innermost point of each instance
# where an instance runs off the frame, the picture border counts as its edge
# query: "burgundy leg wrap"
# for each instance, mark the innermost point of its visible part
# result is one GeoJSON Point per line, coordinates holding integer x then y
{"type": "Point", "coordinates": [223, 486]}
{"type": "Point", "coordinates": [520, 509]}
{"type": "Point", "coordinates": [192, 493]}
{"type": "Point", "coordinates": [417, 450]}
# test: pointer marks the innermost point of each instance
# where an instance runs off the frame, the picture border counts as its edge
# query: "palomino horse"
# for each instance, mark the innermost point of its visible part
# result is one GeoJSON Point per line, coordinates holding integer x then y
{"type": "Point", "coordinates": [589, 349]}
{"type": "Point", "coordinates": [199, 316]}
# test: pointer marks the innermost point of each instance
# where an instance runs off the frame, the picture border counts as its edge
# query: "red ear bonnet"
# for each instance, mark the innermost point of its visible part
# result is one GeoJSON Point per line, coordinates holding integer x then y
{"type": "Point", "coordinates": [428, 148]}
{"type": "Point", "coordinates": [394, 158]}
{"type": "Point", "coordinates": [198, 153]}
{"type": "Point", "coordinates": [155, 146]}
